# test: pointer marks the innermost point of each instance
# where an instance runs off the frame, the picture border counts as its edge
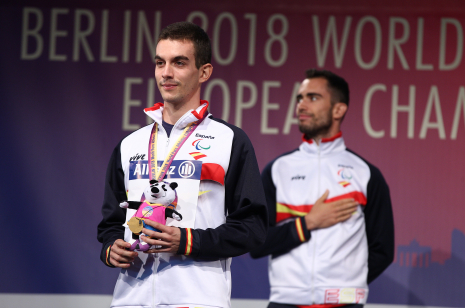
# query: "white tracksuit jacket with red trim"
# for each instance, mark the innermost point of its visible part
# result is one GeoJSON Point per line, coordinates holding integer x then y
{"type": "Point", "coordinates": [230, 219]}
{"type": "Point", "coordinates": [332, 265]}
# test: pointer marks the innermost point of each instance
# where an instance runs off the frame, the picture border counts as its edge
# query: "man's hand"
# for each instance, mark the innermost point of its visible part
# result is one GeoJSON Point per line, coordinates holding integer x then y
{"type": "Point", "coordinates": [324, 215]}
{"type": "Point", "coordinates": [120, 256]}
{"type": "Point", "coordinates": [168, 239]}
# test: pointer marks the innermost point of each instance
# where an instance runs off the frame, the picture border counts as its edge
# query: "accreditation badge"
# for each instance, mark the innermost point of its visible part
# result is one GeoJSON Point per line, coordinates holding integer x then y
{"type": "Point", "coordinates": [186, 173]}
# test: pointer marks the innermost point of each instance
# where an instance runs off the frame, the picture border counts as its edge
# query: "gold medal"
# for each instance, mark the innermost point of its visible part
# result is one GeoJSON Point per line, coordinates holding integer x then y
{"type": "Point", "coordinates": [136, 224]}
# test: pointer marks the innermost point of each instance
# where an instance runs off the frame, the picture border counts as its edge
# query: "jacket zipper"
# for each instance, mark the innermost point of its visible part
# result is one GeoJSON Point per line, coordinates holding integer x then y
{"type": "Point", "coordinates": [167, 144]}
{"type": "Point", "coordinates": [156, 255]}
{"type": "Point", "coordinates": [313, 239]}
{"type": "Point", "coordinates": [155, 298]}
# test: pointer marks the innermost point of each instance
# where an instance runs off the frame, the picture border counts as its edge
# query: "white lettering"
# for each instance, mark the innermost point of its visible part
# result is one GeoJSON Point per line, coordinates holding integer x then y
{"type": "Point", "coordinates": [442, 45]}
{"type": "Point", "coordinates": [330, 33]}
{"type": "Point", "coordinates": [252, 35]}
{"type": "Point", "coordinates": [396, 108]}
{"type": "Point", "coordinates": [366, 110]}
{"type": "Point", "coordinates": [126, 36]}
{"type": "Point", "coordinates": [54, 33]}
{"type": "Point", "coordinates": [233, 39]}
{"type": "Point", "coordinates": [266, 106]}
{"type": "Point", "coordinates": [226, 98]}
{"type": "Point", "coordinates": [276, 37]}
{"type": "Point", "coordinates": [80, 35]}
{"type": "Point", "coordinates": [433, 99]}
{"type": "Point", "coordinates": [358, 42]}
{"type": "Point", "coordinates": [137, 170]}
{"type": "Point", "coordinates": [26, 32]}
{"type": "Point", "coordinates": [143, 30]}
{"type": "Point", "coordinates": [203, 19]}
{"type": "Point", "coordinates": [240, 103]}
{"type": "Point", "coordinates": [419, 59]}
{"type": "Point", "coordinates": [394, 44]}
{"type": "Point", "coordinates": [290, 119]}
{"type": "Point", "coordinates": [150, 97]}
{"type": "Point", "coordinates": [144, 169]}
{"type": "Point", "coordinates": [104, 40]}
{"type": "Point", "coordinates": [128, 103]}
{"type": "Point", "coordinates": [460, 105]}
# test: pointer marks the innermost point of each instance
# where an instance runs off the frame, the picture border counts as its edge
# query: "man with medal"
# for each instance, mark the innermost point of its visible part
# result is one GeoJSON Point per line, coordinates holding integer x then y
{"type": "Point", "coordinates": [218, 193]}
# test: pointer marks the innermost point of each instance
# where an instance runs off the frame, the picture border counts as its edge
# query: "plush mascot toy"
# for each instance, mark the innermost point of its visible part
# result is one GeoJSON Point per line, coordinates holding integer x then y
{"type": "Point", "coordinates": [160, 203]}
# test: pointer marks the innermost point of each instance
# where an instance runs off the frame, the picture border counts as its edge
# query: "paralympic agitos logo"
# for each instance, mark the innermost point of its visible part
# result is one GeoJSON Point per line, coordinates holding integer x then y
{"type": "Point", "coordinates": [198, 146]}
{"type": "Point", "coordinates": [346, 176]}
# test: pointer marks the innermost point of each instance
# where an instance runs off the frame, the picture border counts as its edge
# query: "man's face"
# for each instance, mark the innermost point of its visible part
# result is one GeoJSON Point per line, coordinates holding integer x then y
{"type": "Point", "coordinates": [175, 71]}
{"type": "Point", "coordinates": [314, 108]}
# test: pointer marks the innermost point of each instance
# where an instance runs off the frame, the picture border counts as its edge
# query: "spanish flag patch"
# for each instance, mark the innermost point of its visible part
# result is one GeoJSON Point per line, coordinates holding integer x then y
{"type": "Point", "coordinates": [197, 155]}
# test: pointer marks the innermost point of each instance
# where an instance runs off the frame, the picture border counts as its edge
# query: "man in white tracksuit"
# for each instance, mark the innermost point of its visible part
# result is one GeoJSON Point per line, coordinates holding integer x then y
{"type": "Point", "coordinates": [219, 192]}
{"type": "Point", "coordinates": [331, 226]}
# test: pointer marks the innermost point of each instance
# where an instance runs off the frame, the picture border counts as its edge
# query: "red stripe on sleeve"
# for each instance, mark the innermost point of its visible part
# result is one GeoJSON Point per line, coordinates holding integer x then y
{"type": "Point", "coordinates": [213, 172]}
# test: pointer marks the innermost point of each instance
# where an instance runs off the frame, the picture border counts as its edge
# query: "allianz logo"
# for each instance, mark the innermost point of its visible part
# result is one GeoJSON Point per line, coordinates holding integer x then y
{"type": "Point", "coordinates": [143, 169]}
{"type": "Point", "coordinates": [186, 169]}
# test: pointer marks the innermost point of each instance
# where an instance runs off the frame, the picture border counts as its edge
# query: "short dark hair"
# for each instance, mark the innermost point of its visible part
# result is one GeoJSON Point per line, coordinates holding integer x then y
{"type": "Point", "coordinates": [337, 86]}
{"type": "Point", "coordinates": [187, 31]}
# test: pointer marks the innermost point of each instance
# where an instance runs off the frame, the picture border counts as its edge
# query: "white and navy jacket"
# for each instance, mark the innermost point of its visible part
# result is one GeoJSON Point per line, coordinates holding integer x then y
{"type": "Point", "coordinates": [333, 265]}
{"type": "Point", "coordinates": [230, 220]}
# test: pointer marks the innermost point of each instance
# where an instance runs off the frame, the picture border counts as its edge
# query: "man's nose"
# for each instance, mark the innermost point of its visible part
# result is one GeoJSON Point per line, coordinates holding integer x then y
{"type": "Point", "coordinates": [301, 106]}
{"type": "Point", "coordinates": [167, 72]}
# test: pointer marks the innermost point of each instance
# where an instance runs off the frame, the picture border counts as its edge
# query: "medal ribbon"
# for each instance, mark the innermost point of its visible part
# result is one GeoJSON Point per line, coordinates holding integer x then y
{"type": "Point", "coordinates": [154, 175]}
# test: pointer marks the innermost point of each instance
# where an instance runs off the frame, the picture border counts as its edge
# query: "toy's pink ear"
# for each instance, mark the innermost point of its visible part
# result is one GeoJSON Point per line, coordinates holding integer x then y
{"type": "Point", "coordinates": [173, 185]}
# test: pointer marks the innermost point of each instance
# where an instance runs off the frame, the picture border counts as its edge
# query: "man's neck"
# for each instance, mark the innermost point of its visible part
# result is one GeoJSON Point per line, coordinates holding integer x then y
{"type": "Point", "coordinates": [173, 112]}
{"type": "Point", "coordinates": [328, 135]}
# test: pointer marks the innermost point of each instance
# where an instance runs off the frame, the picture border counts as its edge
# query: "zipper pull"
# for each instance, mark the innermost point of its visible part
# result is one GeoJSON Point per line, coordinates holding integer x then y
{"type": "Point", "coordinates": [167, 141]}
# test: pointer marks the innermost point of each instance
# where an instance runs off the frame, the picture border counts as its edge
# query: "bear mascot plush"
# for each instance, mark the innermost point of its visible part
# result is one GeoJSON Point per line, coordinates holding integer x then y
{"type": "Point", "coordinates": [160, 203]}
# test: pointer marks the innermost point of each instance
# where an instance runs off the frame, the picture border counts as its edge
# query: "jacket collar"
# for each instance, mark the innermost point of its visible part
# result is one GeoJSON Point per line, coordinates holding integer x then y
{"type": "Point", "coordinates": [326, 146]}
{"type": "Point", "coordinates": [156, 113]}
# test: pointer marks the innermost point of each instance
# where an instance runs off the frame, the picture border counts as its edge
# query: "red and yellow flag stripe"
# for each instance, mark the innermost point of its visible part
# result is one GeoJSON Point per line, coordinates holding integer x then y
{"type": "Point", "coordinates": [188, 241]}
{"type": "Point", "coordinates": [107, 255]}
{"type": "Point", "coordinates": [300, 230]}
{"type": "Point", "coordinates": [285, 211]}
{"type": "Point", "coordinates": [197, 155]}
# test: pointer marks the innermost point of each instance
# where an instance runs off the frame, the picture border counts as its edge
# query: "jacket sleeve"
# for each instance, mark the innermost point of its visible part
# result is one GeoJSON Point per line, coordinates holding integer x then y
{"type": "Point", "coordinates": [379, 225]}
{"type": "Point", "coordinates": [111, 227]}
{"type": "Point", "coordinates": [246, 220]}
{"type": "Point", "coordinates": [285, 237]}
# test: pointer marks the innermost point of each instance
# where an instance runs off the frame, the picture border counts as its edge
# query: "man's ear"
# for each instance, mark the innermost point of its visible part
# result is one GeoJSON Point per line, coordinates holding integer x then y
{"type": "Point", "coordinates": [205, 71]}
{"type": "Point", "coordinates": [339, 110]}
